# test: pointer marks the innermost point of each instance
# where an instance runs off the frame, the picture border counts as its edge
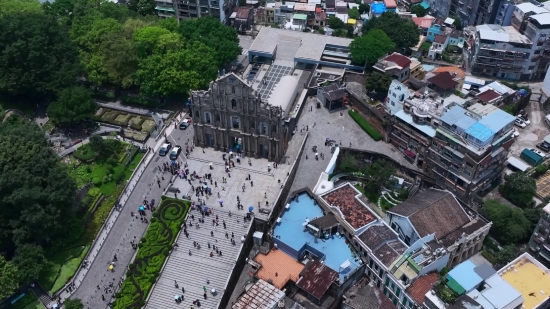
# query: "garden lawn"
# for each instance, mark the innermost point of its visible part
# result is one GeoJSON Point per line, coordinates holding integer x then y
{"type": "Point", "coordinates": [62, 265]}
{"type": "Point", "coordinates": [29, 301]}
{"type": "Point", "coordinates": [365, 125]}
{"type": "Point", "coordinates": [153, 251]}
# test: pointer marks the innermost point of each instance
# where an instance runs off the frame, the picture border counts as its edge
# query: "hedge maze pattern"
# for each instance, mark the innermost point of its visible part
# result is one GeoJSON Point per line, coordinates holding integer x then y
{"type": "Point", "coordinates": [153, 251]}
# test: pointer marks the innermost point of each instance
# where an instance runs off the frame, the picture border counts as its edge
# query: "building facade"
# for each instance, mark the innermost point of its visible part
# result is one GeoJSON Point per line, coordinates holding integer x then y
{"type": "Point", "coordinates": [540, 240]}
{"type": "Point", "coordinates": [183, 9]}
{"type": "Point", "coordinates": [230, 116]}
{"type": "Point", "coordinates": [517, 52]}
{"type": "Point", "coordinates": [470, 12]}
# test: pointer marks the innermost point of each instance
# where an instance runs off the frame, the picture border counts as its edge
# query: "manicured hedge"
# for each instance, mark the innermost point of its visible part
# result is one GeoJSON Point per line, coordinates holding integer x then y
{"type": "Point", "coordinates": [363, 123]}
{"type": "Point", "coordinates": [153, 251]}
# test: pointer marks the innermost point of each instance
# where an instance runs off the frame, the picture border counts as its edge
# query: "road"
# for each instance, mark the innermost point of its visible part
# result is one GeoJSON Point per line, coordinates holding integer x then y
{"type": "Point", "coordinates": [125, 229]}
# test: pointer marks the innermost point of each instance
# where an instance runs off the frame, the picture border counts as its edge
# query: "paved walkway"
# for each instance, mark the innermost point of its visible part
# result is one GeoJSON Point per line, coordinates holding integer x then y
{"type": "Point", "coordinates": [120, 230]}
{"type": "Point", "coordinates": [198, 271]}
{"type": "Point", "coordinates": [132, 109]}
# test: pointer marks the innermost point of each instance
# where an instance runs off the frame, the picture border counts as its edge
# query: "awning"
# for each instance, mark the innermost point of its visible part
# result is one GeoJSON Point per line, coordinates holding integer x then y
{"type": "Point", "coordinates": [409, 153]}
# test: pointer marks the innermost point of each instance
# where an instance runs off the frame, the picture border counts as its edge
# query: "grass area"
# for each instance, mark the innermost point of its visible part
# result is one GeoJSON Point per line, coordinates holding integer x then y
{"type": "Point", "coordinates": [124, 119]}
{"type": "Point", "coordinates": [48, 126]}
{"type": "Point", "coordinates": [153, 251]}
{"type": "Point", "coordinates": [371, 195]}
{"type": "Point", "coordinates": [365, 125]}
{"type": "Point", "coordinates": [29, 301]}
{"type": "Point", "coordinates": [385, 204]}
{"type": "Point", "coordinates": [62, 267]}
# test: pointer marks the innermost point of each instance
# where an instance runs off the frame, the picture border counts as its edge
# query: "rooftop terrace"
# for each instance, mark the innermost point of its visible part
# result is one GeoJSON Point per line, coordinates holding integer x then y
{"type": "Point", "coordinates": [278, 267]}
{"type": "Point", "coordinates": [292, 237]}
{"type": "Point", "coordinates": [354, 211]}
{"type": "Point", "coordinates": [530, 278]}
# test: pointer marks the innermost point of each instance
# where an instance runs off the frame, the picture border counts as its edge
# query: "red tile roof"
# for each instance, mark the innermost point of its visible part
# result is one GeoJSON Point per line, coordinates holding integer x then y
{"type": "Point", "coordinates": [488, 95]}
{"type": "Point", "coordinates": [423, 22]}
{"type": "Point", "coordinates": [317, 278]}
{"type": "Point", "coordinates": [278, 267]}
{"type": "Point", "coordinates": [443, 80]}
{"type": "Point", "coordinates": [355, 213]}
{"type": "Point", "coordinates": [390, 4]}
{"type": "Point", "coordinates": [242, 13]}
{"type": "Point", "coordinates": [399, 59]}
{"type": "Point", "coordinates": [418, 289]}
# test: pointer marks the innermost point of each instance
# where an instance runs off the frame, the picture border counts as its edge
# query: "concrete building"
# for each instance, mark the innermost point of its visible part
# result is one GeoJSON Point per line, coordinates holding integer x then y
{"type": "Point", "coordinates": [545, 89]}
{"type": "Point", "coordinates": [395, 65]}
{"type": "Point", "coordinates": [332, 96]}
{"type": "Point", "coordinates": [437, 213]}
{"type": "Point", "coordinates": [230, 115]}
{"type": "Point", "coordinates": [438, 46]}
{"type": "Point", "coordinates": [274, 14]}
{"type": "Point", "coordinates": [505, 12]}
{"type": "Point", "coordinates": [463, 148]}
{"type": "Point", "coordinates": [457, 73]}
{"type": "Point", "coordinates": [474, 12]}
{"type": "Point", "coordinates": [518, 52]}
{"type": "Point", "coordinates": [443, 83]}
{"type": "Point", "coordinates": [243, 19]}
{"type": "Point", "coordinates": [183, 9]}
{"type": "Point", "coordinates": [540, 240]}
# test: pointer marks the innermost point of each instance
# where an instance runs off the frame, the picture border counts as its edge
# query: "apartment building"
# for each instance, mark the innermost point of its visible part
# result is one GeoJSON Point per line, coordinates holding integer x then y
{"type": "Point", "coordinates": [540, 240]}
{"type": "Point", "coordinates": [464, 148]}
{"type": "Point", "coordinates": [504, 13]}
{"type": "Point", "coordinates": [517, 52]}
{"type": "Point", "coordinates": [183, 9]}
{"type": "Point", "coordinates": [470, 12]}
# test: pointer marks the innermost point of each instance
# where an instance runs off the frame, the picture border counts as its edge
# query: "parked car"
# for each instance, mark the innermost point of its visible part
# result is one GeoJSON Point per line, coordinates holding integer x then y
{"type": "Point", "coordinates": [540, 153]}
{"type": "Point", "coordinates": [164, 149]}
{"type": "Point", "coordinates": [175, 153]}
{"type": "Point", "coordinates": [516, 133]}
{"type": "Point", "coordinates": [524, 119]}
{"type": "Point", "coordinates": [185, 123]}
{"type": "Point", "coordinates": [543, 147]}
{"type": "Point", "coordinates": [520, 123]}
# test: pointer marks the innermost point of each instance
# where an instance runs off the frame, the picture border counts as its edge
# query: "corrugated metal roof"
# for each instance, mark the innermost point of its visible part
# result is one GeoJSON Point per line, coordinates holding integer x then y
{"type": "Point", "coordinates": [261, 295]}
{"type": "Point", "coordinates": [480, 132]}
{"type": "Point", "coordinates": [316, 279]}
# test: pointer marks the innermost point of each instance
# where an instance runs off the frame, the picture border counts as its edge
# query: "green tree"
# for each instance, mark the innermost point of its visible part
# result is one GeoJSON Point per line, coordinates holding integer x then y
{"type": "Point", "coordinates": [9, 275]}
{"type": "Point", "coordinates": [378, 82]}
{"type": "Point", "coordinates": [36, 56]}
{"type": "Point", "coordinates": [37, 193]}
{"type": "Point", "coordinates": [368, 48]}
{"type": "Point", "coordinates": [74, 304]}
{"type": "Point", "coordinates": [73, 105]}
{"type": "Point", "coordinates": [378, 174]}
{"type": "Point", "coordinates": [519, 189]}
{"type": "Point", "coordinates": [509, 223]}
{"type": "Point", "coordinates": [335, 23]}
{"type": "Point", "coordinates": [506, 255]}
{"type": "Point", "coordinates": [419, 10]}
{"type": "Point", "coordinates": [222, 39]}
{"type": "Point", "coordinates": [29, 261]}
{"type": "Point", "coordinates": [457, 23]}
{"type": "Point", "coordinates": [354, 13]}
{"type": "Point", "coordinates": [364, 8]}
{"type": "Point", "coordinates": [14, 6]}
{"type": "Point", "coordinates": [146, 7]}
{"type": "Point", "coordinates": [97, 143]}
{"type": "Point", "coordinates": [403, 32]}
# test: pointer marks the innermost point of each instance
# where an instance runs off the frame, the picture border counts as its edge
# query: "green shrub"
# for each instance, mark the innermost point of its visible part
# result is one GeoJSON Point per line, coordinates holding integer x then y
{"type": "Point", "coordinates": [97, 181]}
{"type": "Point", "coordinates": [84, 153]}
{"type": "Point", "coordinates": [363, 123]}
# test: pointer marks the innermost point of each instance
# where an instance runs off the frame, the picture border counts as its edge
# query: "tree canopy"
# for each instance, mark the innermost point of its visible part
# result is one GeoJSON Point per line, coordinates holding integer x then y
{"type": "Point", "coordinates": [37, 194]}
{"type": "Point", "coordinates": [335, 23]}
{"type": "Point", "coordinates": [73, 105]}
{"type": "Point", "coordinates": [403, 32]}
{"type": "Point", "coordinates": [379, 173]}
{"type": "Point", "coordinates": [210, 32]}
{"type": "Point", "coordinates": [9, 277]}
{"type": "Point", "coordinates": [510, 225]}
{"type": "Point", "coordinates": [12, 6]}
{"type": "Point", "coordinates": [36, 56]}
{"type": "Point", "coordinates": [74, 304]}
{"type": "Point", "coordinates": [378, 82]}
{"type": "Point", "coordinates": [354, 13]}
{"type": "Point", "coordinates": [519, 189]}
{"type": "Point", "coordinates": [419, 10]}
{"type": "Point", "coordinates": [368, 48]}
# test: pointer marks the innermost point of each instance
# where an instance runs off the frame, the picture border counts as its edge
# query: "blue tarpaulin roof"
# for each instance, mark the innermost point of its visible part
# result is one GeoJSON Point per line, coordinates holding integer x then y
{"type": "Point", "coordinates": [425, 4]}
{"type": "Point", "coordinates": [480, 132]}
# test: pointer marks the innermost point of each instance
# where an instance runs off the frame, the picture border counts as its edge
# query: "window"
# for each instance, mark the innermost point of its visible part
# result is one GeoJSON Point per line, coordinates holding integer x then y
{"type": "Point", "coordinates": [397, 292]}
{"type": "Point", "coordinates": [234, 104]}
{"type": "Point", "coordinates": [207, 118]}
{"type": "Point", "coordinates": [532, 67]}
{"type": "Point", "coordinates": [467, 173]}
{"type": "Point", "coordinates": [232, 89]}
{"type": "Point", "coordinates": [393, 286]}
{"type": "Point", "coordinates": [375, 266]}
{"type": "Point", "coordinates": [370, 263]}
{"type": "Point", "coordinates": [274, 130]}
{"type": "Point", "coordinates": [235, 122]}
{"type": "Point", "coordinates": [218, 119]}
{"type": "Point", "coordinates": [252, 125]}
{"type": "Point", "coordinates": [197, 114]}
{"type": "Point", "coordinates": [263, 128]}
{"type": "Point", "coordinates": [380, 273]}
{"type": "Point", "coordinates": [387, 281]}
{"type": "Point", "coordinates": [394, 95]}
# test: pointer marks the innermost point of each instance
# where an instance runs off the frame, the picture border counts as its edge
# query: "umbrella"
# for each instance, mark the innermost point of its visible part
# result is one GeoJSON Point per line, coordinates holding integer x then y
{"type": "Point", "coordinates": [316, 153]}
{"type": "Point", "coordinates": [111, 267]}
{"type": "Point", "coordinates": [55, 305]}
{"type": "Point", "coordinates": [176, 297]}
{"type": "Point", "coordinates": [213, 291]}
{"type": "Point", "coordinates": [205, 186]}
{"type": "Point", "coordinates": [206, 208]}
{"type": "Point", "coordinates": [141, 207]}
{"type": "Point", "coordinates": [250, 208]}
{"type": "Point", "coordinates": [221, 201]}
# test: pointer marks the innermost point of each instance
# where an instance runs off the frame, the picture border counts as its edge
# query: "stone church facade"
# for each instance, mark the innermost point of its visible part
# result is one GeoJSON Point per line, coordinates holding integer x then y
{"type": "Point", "coordinates": [230, 116]}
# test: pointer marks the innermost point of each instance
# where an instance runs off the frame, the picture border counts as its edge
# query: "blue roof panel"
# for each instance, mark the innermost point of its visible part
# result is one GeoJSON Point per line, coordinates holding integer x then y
{"type": "Point", "coordinates": [456, 116]}
{"type": "Point", "coordinates": [480, 132]}
{"type": "Point", "coordinates": [497, 120]}
{"type": "Point", "coordinates": [465, 275]}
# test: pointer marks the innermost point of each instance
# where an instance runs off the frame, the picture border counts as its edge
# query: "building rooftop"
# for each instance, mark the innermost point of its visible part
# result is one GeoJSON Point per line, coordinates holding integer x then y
{"type": "Point", "coordinates": [481, 109]}
{"type": "Point", "coordinates": [457, 116]}
{"type": "Point", "coordinates": [418, 289]}
{"type": "Point", "coordinates": [542, 18]}
{"type": "Point", "coordinates": [488, 96]}
{"type": "Point", "coordinates": [390, 4]}
{"type": "Point", "coordinates": [547, 208]}
{"type": "Point", "coordinates": [497, 120]}
{"type": "Point", "coordinates": [361, 296]}
{"type": "Point", "coordinates": [480, 132]}
{"type": "Point", "coordinates": [407, 118]}
{"type": "Point", "coordinates": [390, 251]}
{"type": "Point", "coordinates": [243, 12]}
{"type": "Point", "coordinates": [433, 211]}
{"type": "Point", "coordinates": [454, 70]}
{"type": "Point", "coordinates": [311, 47]}
{"type": "Point", "coordinates": [501, 34]}
{"type": "Point", "coordinates": [261, 295]}
{"type": "Point", "coordinates": [497, 293]}
{"type": "Point", "coordinates": [498, 87]}
{"type": "Point", "coordinates": [383, 242]}
{"type": "Point", "coordinates": [443, 80]}
{"type": "Point", "coordinates": [352, 210]}
{"type": "Point", "coordinates": [466, 276]}
{"type": "Point", "coordinates": [316, 279]}
{"type": "Point", "coordinates": [440, 39]}
{"type": "Point", "coordinates": [283, 93]}
{"type": "Point", "coordinates": [333, 92]}
{"type": "Point", "coordinates": [527, 7]}
{"type": "Point", "coordinates": [529, 277]}
{"type": "Point", "coordinates": [278, 268]}
{"type": "Point", "coordinates": [423, 22]}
